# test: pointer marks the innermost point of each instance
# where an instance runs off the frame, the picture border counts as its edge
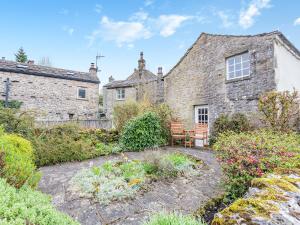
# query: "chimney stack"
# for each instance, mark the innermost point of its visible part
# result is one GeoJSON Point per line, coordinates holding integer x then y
{"type": "Point", "coordinates": [111, 79]}
{"type": "Point", "coordinates": [141, 62]}
{"type": "Point", "coordinates": [30, 62]}
{"type": "Point", "coordinates": [159, 72]}
{"type": "Point", "coordinates": [93, 69]}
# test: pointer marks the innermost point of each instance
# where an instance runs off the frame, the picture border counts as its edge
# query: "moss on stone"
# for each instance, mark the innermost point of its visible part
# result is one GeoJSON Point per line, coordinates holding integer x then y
{"type": "Point", "coordinates": [272, 195]}
{"type": "Point", "coordinates": [278, 182]}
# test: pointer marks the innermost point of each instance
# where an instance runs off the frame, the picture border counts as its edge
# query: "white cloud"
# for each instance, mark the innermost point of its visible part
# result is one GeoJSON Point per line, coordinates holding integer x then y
{"type": "Point", "coordinates": [139, 16]}
{"type": "Point", "coordinates": [98, 8]}
{"type": "Point", "coordinates": [225, 18]}
{"type": "Point", "coordinates": [121, 32]}
{"type": "Point", "coordinates": [148, 2]}
{"type": "Point", "coordinates": [168, 24]}
{"type": "Point", "coordinates": [69, 30]}
{"type": "Point", "coordinates": [297, 21]}
{"type": "Point", "coordinates": [254, 9]}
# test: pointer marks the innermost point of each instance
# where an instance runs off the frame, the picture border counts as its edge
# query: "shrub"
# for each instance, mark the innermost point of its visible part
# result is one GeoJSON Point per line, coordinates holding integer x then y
{"type": "Point", "coordinates": [100, 135]}
{"type": "Point", "coordinates": [122, 113]}
{"type": "Point", "coordinates": [14, 104]}
{"type": "Point", "coordinates": [13, 121]}
{"type": "Point", "coordinates": [25, 206]}
{"type": "Point", "coordinates": [247, 155]}
{"type": "Point", "coordinates": [62, 144]}
{"type": "Point", "coordinates": [280, 110]}
{"type": "Point", "coordinates": [237, 122]}
{"type": "Point", "coordinates": [17, 161]}
{"type": "Point", "coordinates": [164, 218]}
{"type": "Point", "coordinates": [142, 132]}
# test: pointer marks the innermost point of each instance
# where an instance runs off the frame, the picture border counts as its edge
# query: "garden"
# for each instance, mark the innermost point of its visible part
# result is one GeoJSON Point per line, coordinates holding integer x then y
{"type": "Point", "coordinates": [137, 178]}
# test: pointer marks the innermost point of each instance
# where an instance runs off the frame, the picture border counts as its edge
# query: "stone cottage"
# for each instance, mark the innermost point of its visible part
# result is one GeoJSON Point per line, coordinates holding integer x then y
{"type": "Point", "coordinates": [223, 74]}
{"type": "Point", "coordinates": [52, 94]}
{"type": "Point", "coordinates": [140, 83]}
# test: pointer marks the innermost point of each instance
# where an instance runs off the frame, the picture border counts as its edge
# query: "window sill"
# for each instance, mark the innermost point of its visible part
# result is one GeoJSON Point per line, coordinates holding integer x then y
{"type": "Point", "coordinates": [120, 99]}
{"type": "Point", "coordinates": [83, 99]}
{"type": "Point", "coordinates": [238, 79]}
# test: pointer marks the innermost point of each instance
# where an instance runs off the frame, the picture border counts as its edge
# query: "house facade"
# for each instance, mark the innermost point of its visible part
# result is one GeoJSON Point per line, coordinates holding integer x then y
{"type": "Point", "coordinates": [52, 94]}
{"type": "Point", "coordinates": [225, 74]}
{"type": "Point", "coordinates": [140, 83]}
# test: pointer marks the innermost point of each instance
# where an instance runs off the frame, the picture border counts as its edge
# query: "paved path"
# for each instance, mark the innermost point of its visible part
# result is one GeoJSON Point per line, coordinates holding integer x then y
{"type": "Point", "coordinates": [182, 194]}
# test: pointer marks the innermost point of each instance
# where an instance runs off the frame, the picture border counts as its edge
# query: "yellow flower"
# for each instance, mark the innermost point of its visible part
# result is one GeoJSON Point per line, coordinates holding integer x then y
{"type": "Point", "coordinates": [134, 181]}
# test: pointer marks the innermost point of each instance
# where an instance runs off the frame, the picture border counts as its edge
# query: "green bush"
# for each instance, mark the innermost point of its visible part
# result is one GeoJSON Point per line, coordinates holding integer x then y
{"type": "Point", "coordinates": [17, 161]}
{"type": "Point", "coordinates": [11, 104]}
{"type": "Point", "coordinates": [164, 218]}
{"type": "Point", "coordinates": [14, 121]}
{"type": "Point", "coordinates": [247, 155]}
{"type": "Point", "coordinates": [100, 135]}
{"type": "Point", "coordinates": [62, 144]}
{"type": "Point", "coordinates": [142, 132]}
{"type": "Point", "coordinates": [237, 122]}
{"type": "Point", "coordinates": [25, 206]}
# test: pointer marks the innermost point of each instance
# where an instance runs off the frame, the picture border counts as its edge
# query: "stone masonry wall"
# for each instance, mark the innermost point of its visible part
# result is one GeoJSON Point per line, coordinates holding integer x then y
{"type": "Point", "coordinates": [200, 78]}
{"type": "Point", "coordinates": [51, 98]}
{"type": "Point", "coordinates": [110, 99]}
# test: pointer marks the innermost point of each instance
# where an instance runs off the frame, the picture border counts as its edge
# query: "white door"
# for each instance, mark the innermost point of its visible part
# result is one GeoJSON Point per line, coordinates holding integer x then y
{"type": "Point", "coordinates": [201, 116]}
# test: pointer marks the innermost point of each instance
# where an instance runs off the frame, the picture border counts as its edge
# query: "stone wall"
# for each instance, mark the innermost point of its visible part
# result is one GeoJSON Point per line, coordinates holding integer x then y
{"type": "Point", "coordinates": [51, 98]}
{"type": "Point", "coordinates": [200, 77]}
{"type": "Point", "coordinates": [110, 99]}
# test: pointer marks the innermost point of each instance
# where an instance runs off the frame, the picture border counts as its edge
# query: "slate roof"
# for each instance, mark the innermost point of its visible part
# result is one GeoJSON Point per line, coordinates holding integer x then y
{"type": "Point", "coordinates": [132, 80]}
{"type": "Point", "coordinates": [37, 70]}
{"type": "Point", "coordinates": [276, 33]}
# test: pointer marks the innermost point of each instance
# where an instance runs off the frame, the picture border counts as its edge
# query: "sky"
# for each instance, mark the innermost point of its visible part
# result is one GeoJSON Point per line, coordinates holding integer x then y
{"type": "Point", "coordinates": [71, 33]}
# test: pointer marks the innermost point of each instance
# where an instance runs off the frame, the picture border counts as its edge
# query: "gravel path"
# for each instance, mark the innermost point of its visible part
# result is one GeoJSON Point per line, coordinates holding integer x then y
{"type": "Point", "coordinates": [182, 194]}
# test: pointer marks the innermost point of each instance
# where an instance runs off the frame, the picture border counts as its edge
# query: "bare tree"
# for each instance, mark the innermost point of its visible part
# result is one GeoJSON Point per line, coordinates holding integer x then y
{"type": "Point", "coordinates": [45, 61]}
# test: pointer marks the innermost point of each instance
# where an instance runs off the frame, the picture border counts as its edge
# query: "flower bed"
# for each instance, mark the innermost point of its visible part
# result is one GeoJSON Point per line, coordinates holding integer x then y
{"type": "Point", "coordinates": [119, 180]}
{"type": "Point", "coordinates": [248, 155]}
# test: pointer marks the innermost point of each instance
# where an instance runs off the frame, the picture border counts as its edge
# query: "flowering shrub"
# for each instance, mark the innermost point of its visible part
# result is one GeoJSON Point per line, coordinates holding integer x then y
{"type": "Point", "coordinates": [247, 155]}
{"type": "Point", "coordinates": [119, 180]}
{"type": "Point", "coordinates": [25, 206]}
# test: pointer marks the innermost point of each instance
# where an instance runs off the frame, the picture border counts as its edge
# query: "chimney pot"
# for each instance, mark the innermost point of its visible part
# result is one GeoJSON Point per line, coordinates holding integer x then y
{"type": "Point", "coordinates": [30, 62]}
{"type": "Point", "coordinates": [111, 79]}
{"type": "Point", "coordinates": [93, 69]}
{"type": "Point", "coordinates": [159, 71]}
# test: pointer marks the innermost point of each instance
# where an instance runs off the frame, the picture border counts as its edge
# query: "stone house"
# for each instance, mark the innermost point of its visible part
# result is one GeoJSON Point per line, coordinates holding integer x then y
{"type": "Point", "coordinates": [140, 83]}
{"type": "Point", "coordinates": [52, 94]}
{"type": "Point", "coordinates": [224, 74]}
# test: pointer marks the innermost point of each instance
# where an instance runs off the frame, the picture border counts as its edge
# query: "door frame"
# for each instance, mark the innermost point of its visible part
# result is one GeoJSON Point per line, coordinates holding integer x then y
{"type": "Point", "coordinates": [196, 119]}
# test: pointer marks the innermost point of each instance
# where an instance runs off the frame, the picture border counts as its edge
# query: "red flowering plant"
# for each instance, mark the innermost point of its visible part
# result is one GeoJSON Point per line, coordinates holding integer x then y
{"type": "Point", "coordinates": [247, 155]}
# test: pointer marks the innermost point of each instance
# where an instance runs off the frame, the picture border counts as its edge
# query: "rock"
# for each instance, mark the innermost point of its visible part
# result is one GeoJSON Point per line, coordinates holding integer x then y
{"type": "Point", "coordinates": [272, 200]}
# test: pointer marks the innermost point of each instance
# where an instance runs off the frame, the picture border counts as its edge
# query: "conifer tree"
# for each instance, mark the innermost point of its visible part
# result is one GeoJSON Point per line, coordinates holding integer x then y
{"type": "Point", "coordinates": [21, 56]}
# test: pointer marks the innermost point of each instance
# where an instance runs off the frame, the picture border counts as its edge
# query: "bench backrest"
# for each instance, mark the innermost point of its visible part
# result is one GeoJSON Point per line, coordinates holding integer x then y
{"type": "Point", "coordinates": [177, 127]}
{"type": "Point", "coordinates": [201, 128]}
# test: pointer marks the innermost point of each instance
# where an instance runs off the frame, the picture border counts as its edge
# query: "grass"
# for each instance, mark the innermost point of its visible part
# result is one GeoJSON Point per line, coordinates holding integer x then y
{"type": "Point", "coordinates": [164, 218]}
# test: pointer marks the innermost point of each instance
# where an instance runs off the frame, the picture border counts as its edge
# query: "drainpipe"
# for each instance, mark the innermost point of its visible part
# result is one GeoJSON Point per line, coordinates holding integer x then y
{"type": "Point", "coordinates": [7, 84]}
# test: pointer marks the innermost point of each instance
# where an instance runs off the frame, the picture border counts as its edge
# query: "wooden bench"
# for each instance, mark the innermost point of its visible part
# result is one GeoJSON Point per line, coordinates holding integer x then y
{"type": "Point", "coordinates": [177, 131]}
{"type": "Point", "coordinates": [200, 133]}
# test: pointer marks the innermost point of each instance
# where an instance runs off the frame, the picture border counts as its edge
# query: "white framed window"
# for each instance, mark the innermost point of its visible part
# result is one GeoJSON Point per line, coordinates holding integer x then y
{"type": "Point", "coordinates": [238, 66]}
{"type": "Point", "coordinates": [201, 114]}
{"type": "Point", "coordinates": [81, 93]}
{"type": "Point", "coordinates": [120, 93]}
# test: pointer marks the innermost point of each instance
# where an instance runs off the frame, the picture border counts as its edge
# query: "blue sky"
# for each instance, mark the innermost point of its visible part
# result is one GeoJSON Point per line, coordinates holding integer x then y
{"type": "Point", "coordinates": [71, 33]}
